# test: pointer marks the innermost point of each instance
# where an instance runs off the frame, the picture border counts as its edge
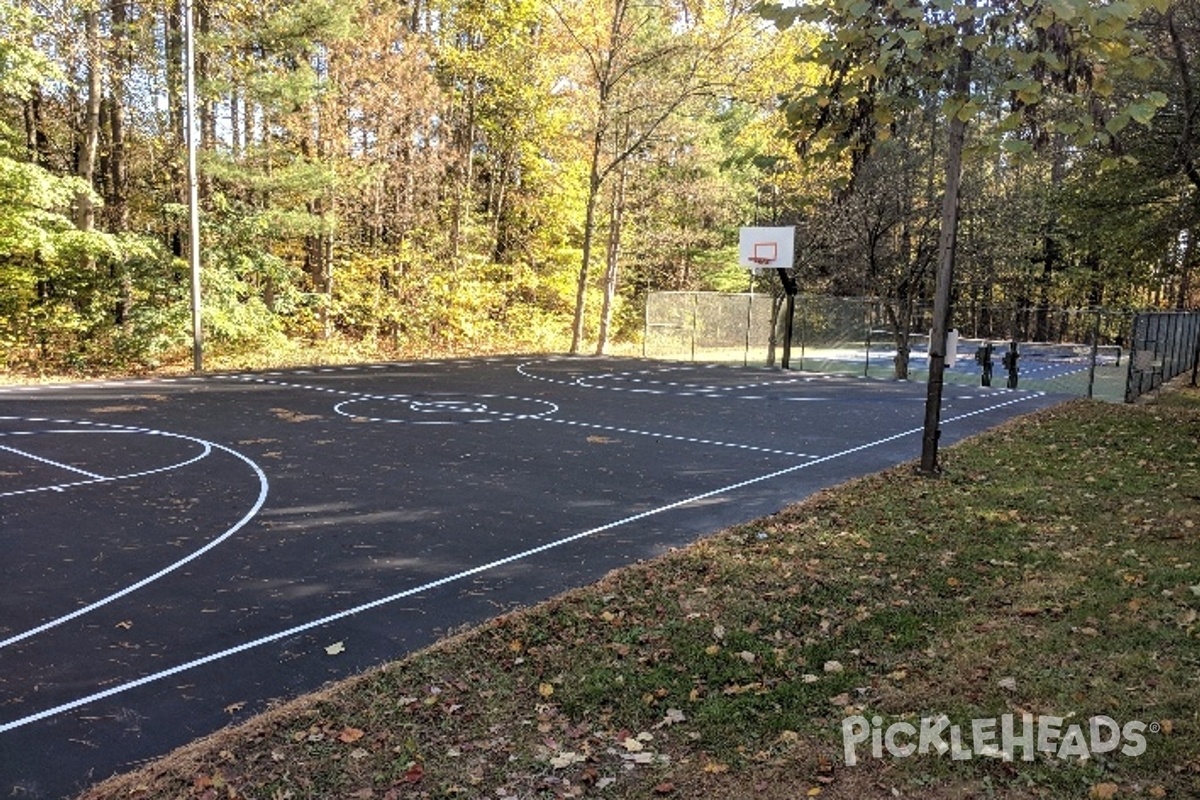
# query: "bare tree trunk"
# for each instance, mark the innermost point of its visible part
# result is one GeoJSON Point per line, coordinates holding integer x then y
{"type": "Point", "coordinates": [173, 69]}
{"type": "Point", "coordinates": [589, 234]}
{"type": "Point", "coordinates": [206, 107]}
{"type": "Point", "coordinates": [117, 197]}
{"type": "Point", "coordinates": [85, 158]}
{"type": "Point", "coordinates": [616, 219]}
{"type": "Point", "coordinates": [945, 281]}
{"type": "Point", "coordinates": [235, 124]}
{"type": "Point", "coordinates": [1181, 300]}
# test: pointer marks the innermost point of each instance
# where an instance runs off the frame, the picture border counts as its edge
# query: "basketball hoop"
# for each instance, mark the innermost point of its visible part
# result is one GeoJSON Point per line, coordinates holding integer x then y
{"type": "Point", "coordinates": [766, 248]}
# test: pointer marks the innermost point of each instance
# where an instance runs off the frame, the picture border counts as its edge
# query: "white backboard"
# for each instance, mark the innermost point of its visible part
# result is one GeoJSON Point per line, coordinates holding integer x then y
{"type": "Point", "coordinates": [760, 248]}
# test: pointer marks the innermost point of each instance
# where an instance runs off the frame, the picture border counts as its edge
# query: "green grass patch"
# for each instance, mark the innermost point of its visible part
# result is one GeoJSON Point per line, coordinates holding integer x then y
{"type": "Point", "coordinates": [1054, 571]}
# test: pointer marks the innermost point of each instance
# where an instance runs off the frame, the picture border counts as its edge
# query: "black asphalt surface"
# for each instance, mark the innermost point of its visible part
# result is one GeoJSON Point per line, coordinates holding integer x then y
{"type": "Point", "coordinates": [178, 554]}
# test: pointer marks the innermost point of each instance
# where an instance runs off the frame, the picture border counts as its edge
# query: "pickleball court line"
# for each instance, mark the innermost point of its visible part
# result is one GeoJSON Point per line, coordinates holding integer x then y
{"type": "Point", "coordinates": [52, 463]}
{"type": "Point", "coordinates": [459, 576]}
{"type": "Point", "coordinates": [207, 447]}
{"type": "Point", "coordinates": [206, 450]}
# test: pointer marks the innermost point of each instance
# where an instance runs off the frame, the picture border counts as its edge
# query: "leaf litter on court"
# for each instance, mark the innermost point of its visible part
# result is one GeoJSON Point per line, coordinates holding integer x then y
{"type": "Point", "coordinates": [1051, 571]}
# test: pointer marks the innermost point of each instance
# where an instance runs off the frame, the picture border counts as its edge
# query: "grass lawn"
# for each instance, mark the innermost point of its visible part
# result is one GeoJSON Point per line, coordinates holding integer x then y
{"type": "Point", "coordinates": [1050, 577]}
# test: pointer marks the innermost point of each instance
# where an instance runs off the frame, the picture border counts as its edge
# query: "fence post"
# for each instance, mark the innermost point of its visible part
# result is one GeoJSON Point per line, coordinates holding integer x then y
{"type": "Point", "coordinates": [695, 322]}
{"type": "Point", "coordinates": [645, 324]}
{"type": "Point", "coordinates": [1133, 346]}
{"type": "Point", "coordinates": [1095, 354]}
{"type": "Point", "coordinates": [870, 320]}
{"type": "Point", "coordinates": [1195, 355]}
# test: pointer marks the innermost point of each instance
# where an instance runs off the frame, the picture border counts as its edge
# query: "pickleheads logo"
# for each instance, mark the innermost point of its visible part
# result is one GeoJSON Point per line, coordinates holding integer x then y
{"type": "Point", "coordinates": [997, 737]}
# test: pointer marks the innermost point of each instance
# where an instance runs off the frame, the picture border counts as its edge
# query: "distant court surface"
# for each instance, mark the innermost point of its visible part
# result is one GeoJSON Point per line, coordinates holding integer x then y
{"type": "Point", "coordinates": [179, 553]}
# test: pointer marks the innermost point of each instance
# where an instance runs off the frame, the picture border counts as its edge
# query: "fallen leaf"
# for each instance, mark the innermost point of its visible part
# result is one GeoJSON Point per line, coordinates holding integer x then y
{"type": "Point", "coordinates": [335, 648]}
{"type": "Point", "coordinates": [1103, 791]}
{"type": "Point", "coordinates": [824, 771]}
{"type": "Point", "coordinates": [414, 773]}
{"type": "Point", "coordinates": [833, 666]}
{"type": "Point", "coordinates": [126, 625]}
{"type": "Point", "coordinates": [715, 767]}
{"type": "Point", "coordinates": [288, 415]}
{"type": "Point", "coordinates": [545, 689]}
{"type": "Point", "coordinates": [350, 735]}
{"type": "Point", "coordinates": [674, 717]}
{"type": "Point", "coordinates": [566, 759]}
{"type": "Point", "coordinates": [841, 700]}
{"type": "Point", "coordinates": [1008, 683]}
{"type": "Point", "coordinates": [633, 745]}
{"type": "Point", "coordinates": [813, 792]}
{"type": "Point", "coordinates": [664, 788]}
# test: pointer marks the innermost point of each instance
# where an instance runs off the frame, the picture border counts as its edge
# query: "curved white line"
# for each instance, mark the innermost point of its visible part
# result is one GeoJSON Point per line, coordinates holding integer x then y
{"type": "Point", "coordinates": [458, 576]}
{"type": "Point", "coordinates": [263, 488]}
{"type": "Point", "coordinates": [678, 388]}
{"type": "Point", "coordinates": [205, 448]}
{"type": "Point", "coordinates": [490, 416]}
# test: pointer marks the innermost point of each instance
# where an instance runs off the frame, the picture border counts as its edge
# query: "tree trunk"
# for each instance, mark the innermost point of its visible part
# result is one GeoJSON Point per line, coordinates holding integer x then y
{"type": "Point", "coordinates": [85, 159]}
{"type": "Point", "coordinates": [206, 107]}
{"type": "Point", "coordinates": [589, 233]}
{"type": "Point", "coordinates": [37, 143]}
{"type": "Point", "coordinates": [116, 199]}
{"type": "Point", "coordinates": [614, 258]}
{"type": "Point", "coordinates": [945, 280]}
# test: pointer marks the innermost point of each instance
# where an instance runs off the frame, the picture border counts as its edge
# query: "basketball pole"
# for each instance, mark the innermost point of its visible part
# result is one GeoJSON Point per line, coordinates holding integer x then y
{"type": "Point", "coordinates": [193, 188]}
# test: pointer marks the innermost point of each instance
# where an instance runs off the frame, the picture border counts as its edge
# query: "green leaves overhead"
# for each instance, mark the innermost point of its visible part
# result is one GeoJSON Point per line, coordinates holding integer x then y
{"type": "Point", "coordinates": [879, 59]}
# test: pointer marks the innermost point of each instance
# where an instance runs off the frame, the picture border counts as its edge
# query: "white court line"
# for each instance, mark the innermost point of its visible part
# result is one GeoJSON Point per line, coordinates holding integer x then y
{"type": "Point", "coordinates": [208, 448]}
{"type": "Point", "coordinates": [635, 384]}
{"type": "Point", "coordinates": [58, 464]}
{"type": "Point", "coordinates": [444, 405]}
{"type": "Point", "coordinates": [358, 397]}
{"type": "Point", "coordinates": [674, 438]}
{"type": "Point", "coordinates": [459, 576]}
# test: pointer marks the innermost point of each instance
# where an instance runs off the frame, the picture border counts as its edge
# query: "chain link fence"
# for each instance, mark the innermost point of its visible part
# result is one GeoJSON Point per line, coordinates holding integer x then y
{"type": "Point", "coordinates": [1164, 345]}
{"type": "Point", "coordinates": [1082, 351]}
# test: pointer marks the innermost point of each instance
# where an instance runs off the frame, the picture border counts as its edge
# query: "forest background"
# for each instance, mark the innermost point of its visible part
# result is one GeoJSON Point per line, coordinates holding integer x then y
{"type": "Point", "coordinates": [382, 179]}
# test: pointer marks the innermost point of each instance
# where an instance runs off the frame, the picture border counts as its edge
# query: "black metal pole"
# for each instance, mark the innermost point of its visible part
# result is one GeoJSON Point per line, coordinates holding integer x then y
{"type": "Point", "coordinates": [790, 288]}
{"type": "Point", "coordinates": [788, 323]}
{"type": "Point", "coordinates": [1095, 355]}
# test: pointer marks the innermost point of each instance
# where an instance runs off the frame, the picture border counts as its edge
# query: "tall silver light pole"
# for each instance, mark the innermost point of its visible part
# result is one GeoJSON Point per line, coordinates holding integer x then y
{"type": "Point", "coordinates": [193, 188]}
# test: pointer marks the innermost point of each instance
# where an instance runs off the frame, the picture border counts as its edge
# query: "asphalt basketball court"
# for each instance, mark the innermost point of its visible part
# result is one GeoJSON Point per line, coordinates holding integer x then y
{"type": "Point", "coordinates": [179, 553]}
